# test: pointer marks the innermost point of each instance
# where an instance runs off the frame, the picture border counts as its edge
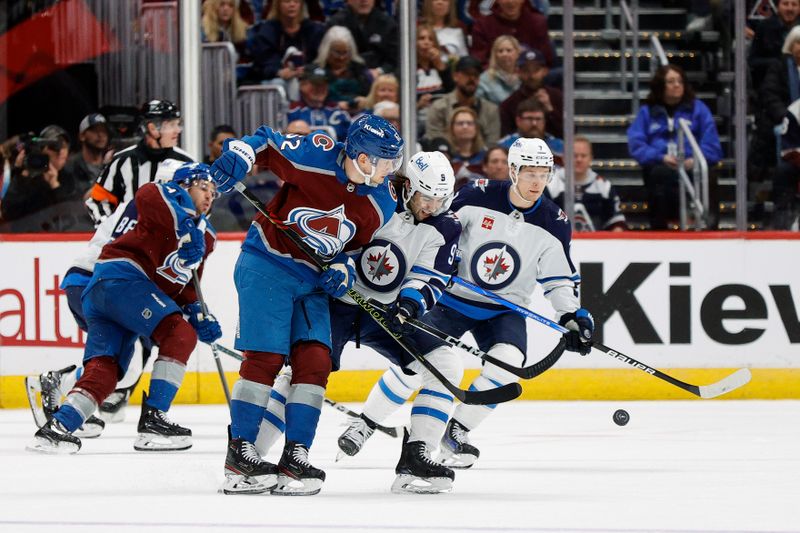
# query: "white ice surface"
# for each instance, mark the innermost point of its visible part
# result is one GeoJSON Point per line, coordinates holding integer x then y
{"type": "Point", "coordinates": [697, 466]}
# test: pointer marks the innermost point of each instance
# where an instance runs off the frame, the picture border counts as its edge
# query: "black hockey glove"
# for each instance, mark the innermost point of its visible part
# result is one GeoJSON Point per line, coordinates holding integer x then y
{"type": "Point", "coordinates": [401, 310]}
{"type": "Point", "coordinates": [581, 326]}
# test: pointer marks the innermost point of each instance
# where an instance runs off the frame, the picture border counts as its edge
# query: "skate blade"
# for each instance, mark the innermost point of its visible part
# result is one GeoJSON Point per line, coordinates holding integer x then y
{"type": "Point", "coordinates": [149, 442]}
{"type": "Point", "coordinates": [456, 461]}
{"type": "Point", "coordinates": [88, 431]}
{"type": "Point", "coordinates": [241, 484]}
{"type": "Point", "coordinates": [38, 445]}
{"type": "Point", "coordinates": [289, 486]}
{"type": "Point", "coordinates": [408, 484]}
{"type": "Point", "coordinates": [33, 387]}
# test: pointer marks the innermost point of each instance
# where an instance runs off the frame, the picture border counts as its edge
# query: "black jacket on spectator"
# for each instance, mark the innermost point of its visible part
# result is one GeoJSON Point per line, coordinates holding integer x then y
{"type": "Point", "coordinates": [267, 43]}
{"type": "Point", "coordinates": [767, 46]}
{"type": "Point", "coordinates": [774, 94]}
{"type": "Point", "coordinates": [27, 195]}
{"type": "Point", "coordinates": [82, 175]}
{"type": "Point", "coordinates": [376, 39]}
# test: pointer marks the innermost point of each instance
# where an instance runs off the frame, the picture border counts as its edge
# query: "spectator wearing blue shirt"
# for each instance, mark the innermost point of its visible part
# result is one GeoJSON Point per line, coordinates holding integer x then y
{"type": "Point", "coordinates": [314, 107]}
{"type": "Point", "coordinates": [653, 141]}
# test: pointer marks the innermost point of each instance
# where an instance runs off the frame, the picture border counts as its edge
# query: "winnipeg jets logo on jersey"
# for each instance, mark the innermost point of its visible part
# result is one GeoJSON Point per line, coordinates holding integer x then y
{"type": "Point", "coordinates": [562, 216]}
{"type": "Point", "coordinates": [382, 266]}
{"type": "Point", "coordinates": [174, 270]}
{"type": "Point", "coordinates": [495, 265]}
{"type": "Point", "coordinates": [481, 183]}
{"type": "Point", "coordinates": [325, 231]}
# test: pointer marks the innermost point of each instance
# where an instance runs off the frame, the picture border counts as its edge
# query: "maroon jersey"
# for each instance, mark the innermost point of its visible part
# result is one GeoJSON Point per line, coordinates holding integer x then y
{"type": "Point", "coordinates": [330, 213]}
{"type": "Point", "coordinates": [152, 245]}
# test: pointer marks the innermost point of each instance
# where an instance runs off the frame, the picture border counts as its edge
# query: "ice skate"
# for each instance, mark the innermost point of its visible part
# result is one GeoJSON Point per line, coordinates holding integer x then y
{"type": "Point", "coordinates": [296, 476]}
{"type": "Point", "coordinates": [354, 437]}
{"type": "Point", "coordinates": [456, 451]}
{"type": "Point", "coordinates": [417, 473]}
{"type": "Point", "coordinates": [92, 428]}
{"type": "Point", "coordinates": [245, 471]}
{"type": "Point", "coordinates": [53, 438]}
{"type": "Point", "coordinates": [158, 433]}
{"type": "Point", "coordinates": [47, 387]}
{"type": "Point", "coordinates": [112, 410]}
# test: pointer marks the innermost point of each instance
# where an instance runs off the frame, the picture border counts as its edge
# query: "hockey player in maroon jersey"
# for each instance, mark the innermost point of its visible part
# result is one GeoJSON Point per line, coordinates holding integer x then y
{"type": "Point", "coordinates": [335, 198]}
{"type": "Point", "coordinates": [141, 286]}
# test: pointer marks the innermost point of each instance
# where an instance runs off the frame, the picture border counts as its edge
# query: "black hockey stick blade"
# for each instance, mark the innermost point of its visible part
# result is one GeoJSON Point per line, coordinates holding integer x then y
{"type": "Point", "coordinates": [528, 372]}
{"type": "Point", "coordinates": [487, 397]}
{"type": "Point", "coordinates": [501, 394]}
{"type": "Point", "coordinates": [392, 432]}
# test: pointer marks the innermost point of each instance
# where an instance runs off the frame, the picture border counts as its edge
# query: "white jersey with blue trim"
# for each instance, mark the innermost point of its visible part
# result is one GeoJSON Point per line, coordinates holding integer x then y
{"type": "Point", "coordinates": [110, 228]}
{"type": "Point", "coordinates": [507, 251]}
{"type": "Point", "coordinates": [415, 258]}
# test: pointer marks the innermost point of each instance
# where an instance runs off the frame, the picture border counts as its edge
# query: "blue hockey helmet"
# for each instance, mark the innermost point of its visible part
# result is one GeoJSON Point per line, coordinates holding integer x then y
{"type": "Point", "coordinates": [186, 174]}
{"type": "Point", "coordinates": [379, 140]}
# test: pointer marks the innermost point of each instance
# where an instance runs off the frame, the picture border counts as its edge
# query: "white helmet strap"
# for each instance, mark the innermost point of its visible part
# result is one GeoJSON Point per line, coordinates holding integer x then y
{"type": "Point", "coordinates": [367, 177]}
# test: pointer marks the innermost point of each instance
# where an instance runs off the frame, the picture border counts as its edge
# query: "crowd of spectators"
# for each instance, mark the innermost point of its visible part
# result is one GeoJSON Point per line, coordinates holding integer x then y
{"type": "Point", "coordinates": [487, 74]}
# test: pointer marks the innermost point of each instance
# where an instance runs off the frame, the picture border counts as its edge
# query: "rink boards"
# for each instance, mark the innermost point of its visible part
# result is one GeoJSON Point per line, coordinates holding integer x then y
{"type": "Point", "coordinates": [697, 305]}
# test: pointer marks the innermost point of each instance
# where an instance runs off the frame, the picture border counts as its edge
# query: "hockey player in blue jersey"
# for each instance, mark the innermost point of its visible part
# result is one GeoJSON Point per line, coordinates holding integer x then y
{"type": "Point", "coordinates": [512, 238]}
{"type": "Point", "coordinates": [335, 197]}
{"type": "Point", "coordinates": [406, 266]}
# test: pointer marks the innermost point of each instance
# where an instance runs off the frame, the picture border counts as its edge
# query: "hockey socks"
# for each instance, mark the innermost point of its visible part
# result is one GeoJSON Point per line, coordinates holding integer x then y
{"type": "Point", "coordinates": [303, 408]}
{"type": "Point", "coordinates": [391, 391]}
{"type": "Point", "coordinates": [248, 404]}
{"type": "Point", "coordinates": [273, 425]}
{"type": "Point", "coordinates": [429, 416]}
{"type": "Point", "coordinates": [75, 410]}
{"type": "Point", "coordinates": [166, 379]}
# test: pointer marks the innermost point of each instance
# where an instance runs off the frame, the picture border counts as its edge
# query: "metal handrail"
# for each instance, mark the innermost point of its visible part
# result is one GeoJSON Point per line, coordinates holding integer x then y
{"type": "Point", "coordinates": [700, 174]}
{"type": "Point", "coordinates": [630, 18]}
{"type": "Point", "coordinates": [658, 50]}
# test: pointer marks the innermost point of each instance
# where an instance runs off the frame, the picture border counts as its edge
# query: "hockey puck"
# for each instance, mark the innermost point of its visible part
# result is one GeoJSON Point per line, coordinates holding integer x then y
{"type": "Point", "coordinates": [621, 417]}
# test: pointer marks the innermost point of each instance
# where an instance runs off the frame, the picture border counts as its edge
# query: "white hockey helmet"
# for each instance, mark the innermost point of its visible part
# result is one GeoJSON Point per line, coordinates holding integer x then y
{"type": "Point", "coordinates": [430, 174]}
{"type": "Point", "coordinates": [529, 153]}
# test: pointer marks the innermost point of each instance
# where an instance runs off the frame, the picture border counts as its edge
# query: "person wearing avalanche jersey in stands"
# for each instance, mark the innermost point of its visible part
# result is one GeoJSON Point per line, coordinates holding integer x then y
{"type": "Point", "coordinates": [335, 197]}
{"type": "Point", "coordinates": [141, 286]}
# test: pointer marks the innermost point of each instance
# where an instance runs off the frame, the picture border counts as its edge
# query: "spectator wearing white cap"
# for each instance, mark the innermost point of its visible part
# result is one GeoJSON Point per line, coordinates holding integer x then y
{"type": "Point", "coordinates": [86, 165]}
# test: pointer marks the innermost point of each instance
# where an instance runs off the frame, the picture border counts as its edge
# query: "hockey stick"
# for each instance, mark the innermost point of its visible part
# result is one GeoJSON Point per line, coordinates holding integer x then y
{"type": "Point", "coordinates": [392, 432]}
{"type": "Point", "coordinates": [528, 372]}
{"type": "Point", "coordinates": [199, 291]}
{"type": "Point", "coordinates": [485, 397]}
{"type": "Point", "coordinates": [734, 381]}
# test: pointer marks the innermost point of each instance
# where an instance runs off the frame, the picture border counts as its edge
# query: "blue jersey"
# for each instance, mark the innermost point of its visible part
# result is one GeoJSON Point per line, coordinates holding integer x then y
{"type": "Point", "coordinates": [329, 116]}
{"type": "Point", "coordinates": [507, 251]}
{"type": "Point", "coordinates": [317, 201]}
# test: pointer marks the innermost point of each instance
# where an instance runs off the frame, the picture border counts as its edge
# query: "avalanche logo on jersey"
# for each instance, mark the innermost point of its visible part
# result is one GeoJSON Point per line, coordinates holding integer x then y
{"type": "Point", "coordinates": [382, 266]}
{"type": "Point", "coordinates": [325, 231]}
{"type": "Point", "coordinates": [174, 270]}
{"type": "Point", "coordinates": [494, 265]}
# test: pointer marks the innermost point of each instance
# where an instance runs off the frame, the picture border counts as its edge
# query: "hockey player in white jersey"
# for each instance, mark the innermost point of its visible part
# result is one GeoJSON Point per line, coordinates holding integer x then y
{"type": "Point", "coordinates": [512, 238]}
{"type": "Point", "coordinates": [407, 265]}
